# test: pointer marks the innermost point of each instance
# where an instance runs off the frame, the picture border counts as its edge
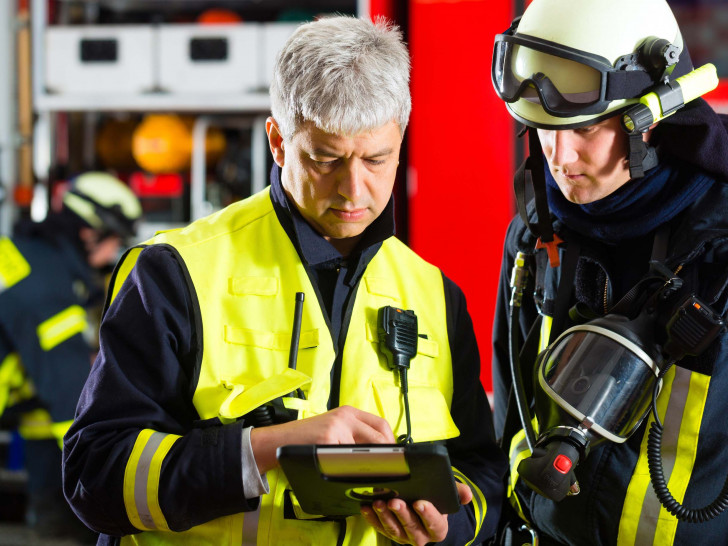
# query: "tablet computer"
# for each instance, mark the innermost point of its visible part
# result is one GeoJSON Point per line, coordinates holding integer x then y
{"type": "Point", "coordinates": [335, 480]}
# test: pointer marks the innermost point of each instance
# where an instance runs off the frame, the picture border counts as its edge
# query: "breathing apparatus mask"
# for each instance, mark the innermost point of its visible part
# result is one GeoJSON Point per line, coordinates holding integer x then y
{"type": "Point", "coordinates": [599, 380]}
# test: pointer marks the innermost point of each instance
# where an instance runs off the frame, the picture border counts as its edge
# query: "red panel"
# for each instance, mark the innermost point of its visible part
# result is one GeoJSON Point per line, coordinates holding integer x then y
{"type": "Point", "coordinates": [718, 98]}
{"type": "Point", "coordinates": [460, 151]}
{"type": "Point", "coordinates": [382, 7]}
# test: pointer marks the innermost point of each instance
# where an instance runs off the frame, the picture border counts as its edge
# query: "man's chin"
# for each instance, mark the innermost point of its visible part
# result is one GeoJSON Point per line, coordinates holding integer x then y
{"type": "Point", "coordinates": [343, 235]}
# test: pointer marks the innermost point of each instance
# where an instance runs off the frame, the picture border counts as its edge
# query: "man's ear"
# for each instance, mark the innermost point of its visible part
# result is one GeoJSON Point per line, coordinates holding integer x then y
{"type": "Point", "coordinates": [275, 141]}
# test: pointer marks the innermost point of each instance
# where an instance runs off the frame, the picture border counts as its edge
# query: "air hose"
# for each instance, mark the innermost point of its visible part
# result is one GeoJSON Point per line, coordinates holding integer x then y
{"type": "Point", "coordinates": [659, 484]}
{"type": "Point", "coordinates": [519, 277]}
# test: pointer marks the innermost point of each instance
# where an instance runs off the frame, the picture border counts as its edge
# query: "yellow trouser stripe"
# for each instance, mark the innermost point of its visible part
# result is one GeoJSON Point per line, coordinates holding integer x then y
{"type": "Point", "coordinates": [13, 266]}
{"type": "Point", "coordinates": [680, 406]}
{"type": "Point", "coordinates": [59, 328]}
{"type": "Point", "coordinates": [479, 502]}
{"type": "Point", "coordinates": [141, 479]}
{"type": "Point", "coordinates": [11, 377]}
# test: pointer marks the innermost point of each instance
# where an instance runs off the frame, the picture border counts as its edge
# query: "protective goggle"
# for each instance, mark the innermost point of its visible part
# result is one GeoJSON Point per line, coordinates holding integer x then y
{"type": "Point", "coordinates": [578, 83]}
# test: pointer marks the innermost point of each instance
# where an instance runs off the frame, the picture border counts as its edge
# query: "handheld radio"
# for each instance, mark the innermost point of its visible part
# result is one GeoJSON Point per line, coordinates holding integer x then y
{"type": "Point", "coordinates": [397, 331]}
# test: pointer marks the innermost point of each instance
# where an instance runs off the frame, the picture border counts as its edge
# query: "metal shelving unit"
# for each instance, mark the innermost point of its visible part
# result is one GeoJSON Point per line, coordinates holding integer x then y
{"type": "Point", "coordinates": [248, 110]}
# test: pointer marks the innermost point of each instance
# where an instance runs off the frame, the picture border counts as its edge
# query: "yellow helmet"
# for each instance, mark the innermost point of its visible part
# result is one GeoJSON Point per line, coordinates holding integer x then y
{"type": "Point", "coordinates": [567, 64]}
{"type": "Point", "coordinates": [104, 202]}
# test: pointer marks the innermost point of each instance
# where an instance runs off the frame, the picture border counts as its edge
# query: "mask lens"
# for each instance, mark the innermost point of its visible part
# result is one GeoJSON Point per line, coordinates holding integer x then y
{"type": "Point", "coordinates": [595, 377]}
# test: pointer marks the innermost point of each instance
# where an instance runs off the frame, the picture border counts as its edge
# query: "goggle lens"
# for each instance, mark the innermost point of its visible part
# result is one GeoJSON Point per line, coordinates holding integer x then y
{"type": "Point", "coordinates": [568, 88]}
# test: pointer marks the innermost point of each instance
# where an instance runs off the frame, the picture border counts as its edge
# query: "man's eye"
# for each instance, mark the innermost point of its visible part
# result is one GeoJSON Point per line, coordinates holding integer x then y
{"type": "Point", "coordinates": [325, 163]}
{"type": "Point", "coordinates": [375, 161]}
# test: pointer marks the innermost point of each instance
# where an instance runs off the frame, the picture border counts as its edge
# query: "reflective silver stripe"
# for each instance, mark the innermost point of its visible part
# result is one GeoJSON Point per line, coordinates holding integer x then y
{"type": "Point", "coordinates": [141, 479]}
{"type": "Point", "coordinates": [672, 422]}
{"type": "Point", "coordinates": [250, 527]}
{"type": "Point", "coordinates": [479, 502]}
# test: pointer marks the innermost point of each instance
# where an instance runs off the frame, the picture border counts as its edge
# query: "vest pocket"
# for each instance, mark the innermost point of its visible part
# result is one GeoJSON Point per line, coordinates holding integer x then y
{"type": "Point", "coordinates": [275, 341]}
{"type": "Point", "coordinates": [429, 411]}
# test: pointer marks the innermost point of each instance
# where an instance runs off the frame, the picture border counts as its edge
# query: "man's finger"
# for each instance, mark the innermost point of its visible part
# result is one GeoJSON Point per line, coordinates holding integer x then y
{"type": "Point", "coordinates": [464, 492]}
{"type": "Point", "coordinates": [433, 522]}
{"type": "Point", "coordinates": [370, 428]}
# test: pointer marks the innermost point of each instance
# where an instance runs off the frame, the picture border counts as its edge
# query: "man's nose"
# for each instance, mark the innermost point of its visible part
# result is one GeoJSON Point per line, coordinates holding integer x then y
{"type": "Point", "coordinates": [563, 148]}
{"type": "Point", "coordinates": [351, 182]}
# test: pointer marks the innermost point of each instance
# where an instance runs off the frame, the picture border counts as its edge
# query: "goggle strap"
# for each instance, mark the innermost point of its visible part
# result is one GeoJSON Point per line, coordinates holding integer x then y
{"type": "Point", "coordinates": [627, 84]}
{"type": "Point", "coordinates": [538, 182]}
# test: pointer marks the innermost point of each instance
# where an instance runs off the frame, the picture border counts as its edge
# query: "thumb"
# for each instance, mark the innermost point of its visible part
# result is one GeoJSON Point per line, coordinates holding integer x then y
{"type": "Point", "coordinates": [464, 492]}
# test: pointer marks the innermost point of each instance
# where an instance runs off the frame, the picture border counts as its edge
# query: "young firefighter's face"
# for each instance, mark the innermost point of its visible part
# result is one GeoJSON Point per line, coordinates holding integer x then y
{"type": "Point", "coordinates": [340, 184]}
{"type": "Point", "coordinates": [588, 163]}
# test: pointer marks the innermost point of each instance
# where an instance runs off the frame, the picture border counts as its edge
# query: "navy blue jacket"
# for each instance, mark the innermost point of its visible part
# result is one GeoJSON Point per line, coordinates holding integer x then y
{"type": "Point", "coordinates": [698, 249]}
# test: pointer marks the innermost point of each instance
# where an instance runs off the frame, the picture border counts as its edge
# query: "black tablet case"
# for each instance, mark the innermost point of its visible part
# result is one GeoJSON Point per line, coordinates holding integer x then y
{"type": "Point", "coordinates": [430, 478]}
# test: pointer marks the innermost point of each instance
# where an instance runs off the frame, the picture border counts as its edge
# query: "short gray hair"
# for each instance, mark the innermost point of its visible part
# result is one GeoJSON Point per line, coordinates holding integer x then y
{"type": "Point", "coordinates": [344, 74]}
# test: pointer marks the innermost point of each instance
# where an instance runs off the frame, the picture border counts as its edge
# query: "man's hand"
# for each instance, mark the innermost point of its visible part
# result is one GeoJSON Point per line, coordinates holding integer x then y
{"type": "Point", "coordinates": [417, 524]}
{"type": "Point", "coordinates": [343, 425]}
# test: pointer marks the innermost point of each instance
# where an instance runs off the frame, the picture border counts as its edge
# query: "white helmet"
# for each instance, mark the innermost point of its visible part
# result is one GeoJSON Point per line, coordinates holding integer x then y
{"type": "Point", "coordinates": [104, 202]}
{"type": "Point", "coordinates": [566, 63]}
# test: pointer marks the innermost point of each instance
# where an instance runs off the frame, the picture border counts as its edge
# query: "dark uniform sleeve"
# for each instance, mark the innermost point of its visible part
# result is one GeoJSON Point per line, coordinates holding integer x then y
{"type": "Point", "coordinates": [140, 387]}
{"type": "Point", "coordinates": [477, 459]}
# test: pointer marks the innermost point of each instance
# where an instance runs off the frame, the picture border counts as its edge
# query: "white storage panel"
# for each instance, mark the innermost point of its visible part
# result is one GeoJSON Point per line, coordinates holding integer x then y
{"type": "Point", "coordinates": [99, 59]}
{"type": "Point", "coordinates": [274, 36]}
{"type": "Point", "coordinates": [209, 58]}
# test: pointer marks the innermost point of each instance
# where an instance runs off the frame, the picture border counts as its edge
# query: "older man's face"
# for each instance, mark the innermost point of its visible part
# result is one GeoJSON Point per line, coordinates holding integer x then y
{"type": "Point", "coordinates": [588, 163]}
{"type": "Point", "coordinates": [340, 184]}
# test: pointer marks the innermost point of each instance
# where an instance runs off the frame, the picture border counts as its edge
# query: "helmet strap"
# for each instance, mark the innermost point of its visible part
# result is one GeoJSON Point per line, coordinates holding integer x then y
{"type": "Point", "coordinates": [531, 174]}
{"type": "Point", "coordinates": [642, 157]}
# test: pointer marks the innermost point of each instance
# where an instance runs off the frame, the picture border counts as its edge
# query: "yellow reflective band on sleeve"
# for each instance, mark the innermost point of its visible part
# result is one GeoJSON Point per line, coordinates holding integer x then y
{"type": "Point", "coordinates": [687, 449]}
{"type": "Point", "coordinates": [13, 266]}
{"type": "Point", "coordinates": [141, 480]}
{"type": "Point", "coordinates": [517, 452]}
{"type": "Point", "coordinates": [640, 481]}
{"type": "Point", "coordinates": [12, 377]}
{"type": "Point", "coordinates": [59, 430]}
{"type": "Point", "coordinates": [680, 406]}
{"type": "Point", "coordinates": [36, 425]}
{"type": "Point", "coordinates": [479, 503]}
{"type": "Point", "coordinates": [59, 328]}
{"type": "Point", "coordinates": [125, 268]}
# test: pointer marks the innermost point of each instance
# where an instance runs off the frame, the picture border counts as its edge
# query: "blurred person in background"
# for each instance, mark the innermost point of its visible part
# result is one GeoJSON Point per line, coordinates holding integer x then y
{"type": "Point", "coordinates": [52, 273]}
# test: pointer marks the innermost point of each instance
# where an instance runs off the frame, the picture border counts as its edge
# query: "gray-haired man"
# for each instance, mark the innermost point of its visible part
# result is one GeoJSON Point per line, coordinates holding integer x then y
{"type": "Point", "coordinates": [198, 333]}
